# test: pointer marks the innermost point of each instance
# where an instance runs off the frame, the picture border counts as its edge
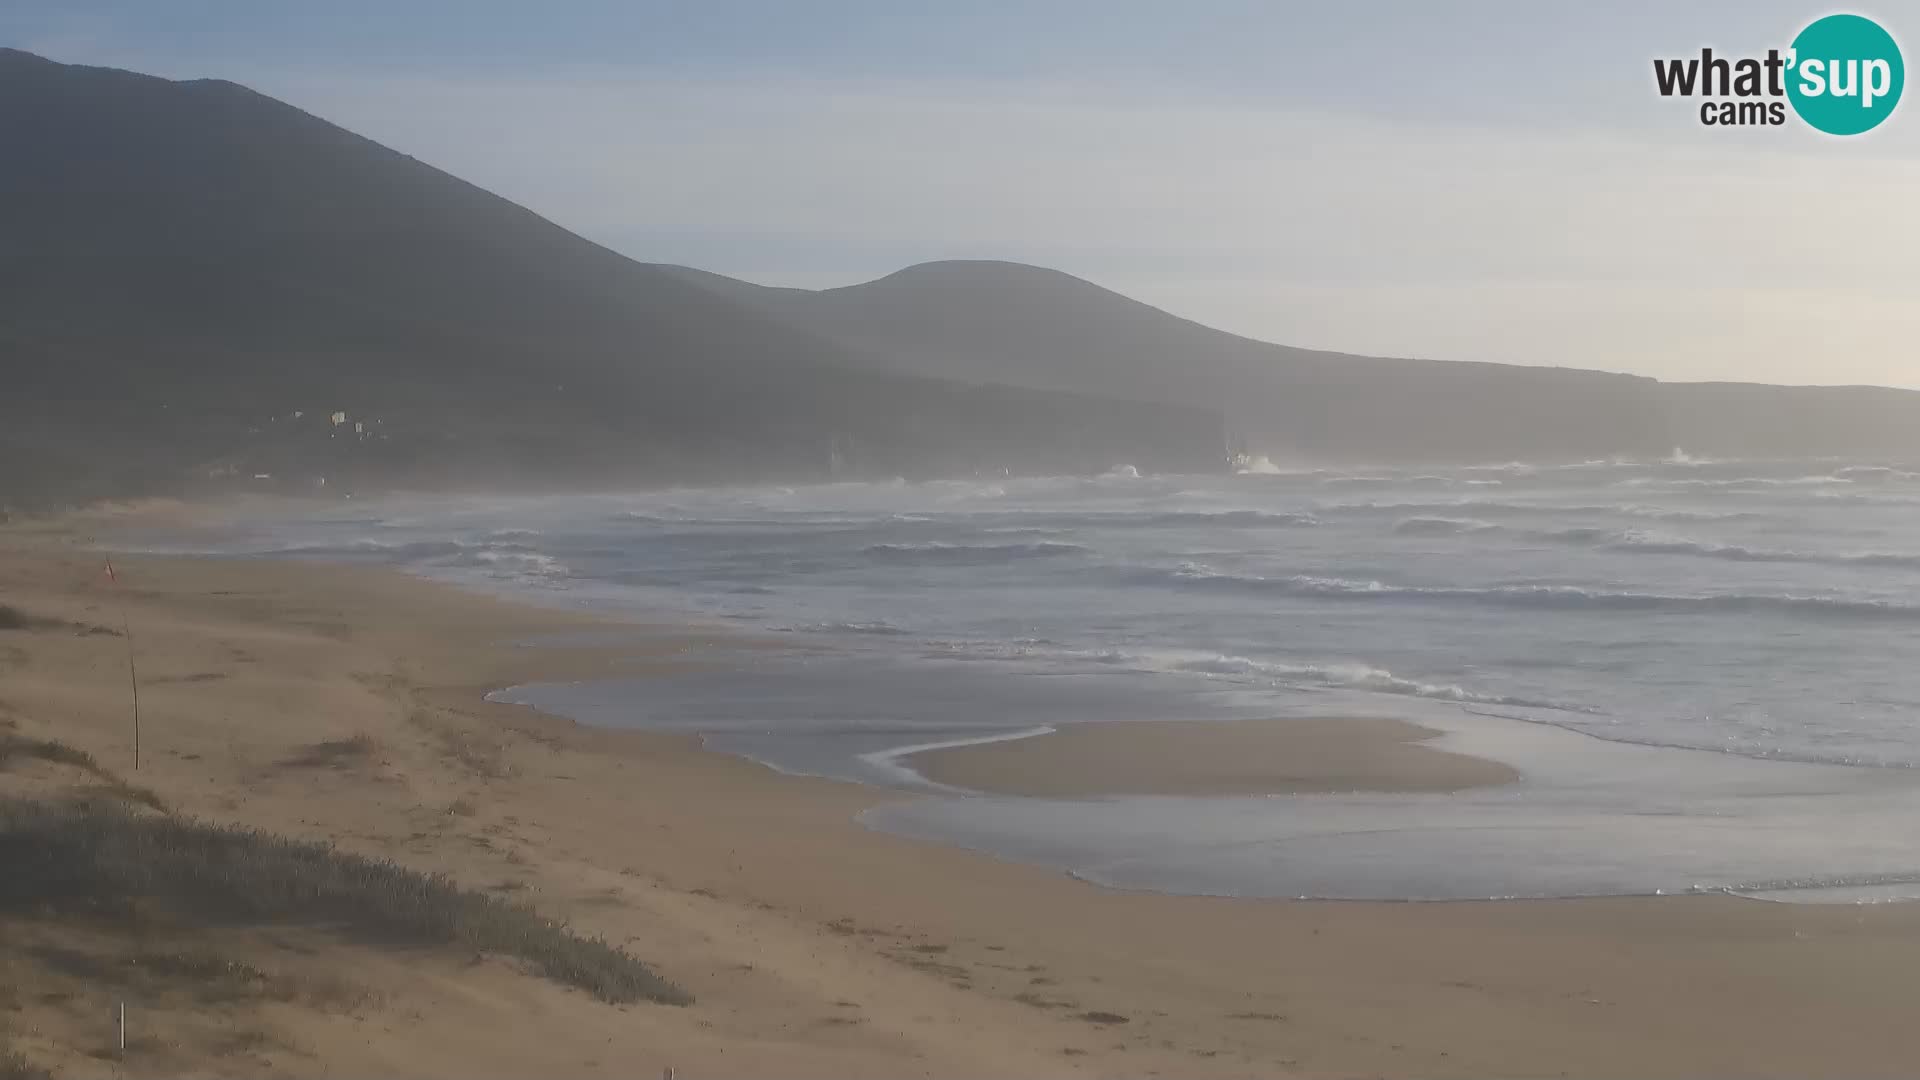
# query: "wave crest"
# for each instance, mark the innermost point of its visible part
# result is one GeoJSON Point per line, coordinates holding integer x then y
{"type": "Point", "coordinates": [1533, 597]}
{"type": "Point", "coordinates": [1366, 677]}
{"type": "Point", "coordinates": [1635, 542]}
{"type": "Point", "coordinates": [936, 553]}
{"type": "Point", "coordinates": [1441, 526]}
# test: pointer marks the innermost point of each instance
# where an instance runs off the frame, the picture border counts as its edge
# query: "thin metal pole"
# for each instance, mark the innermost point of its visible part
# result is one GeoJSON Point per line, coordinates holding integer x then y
{"type": "Point", "coordinates": [133, 676]}
{"type": "Point", "coordinates": [133, 673]}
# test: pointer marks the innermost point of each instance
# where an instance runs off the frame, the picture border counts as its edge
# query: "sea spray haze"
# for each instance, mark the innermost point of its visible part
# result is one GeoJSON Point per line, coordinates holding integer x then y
{"type": "Point", "coordinates": [1597, 625]}
{"type": "Point", "coordinates": [1760, 608]}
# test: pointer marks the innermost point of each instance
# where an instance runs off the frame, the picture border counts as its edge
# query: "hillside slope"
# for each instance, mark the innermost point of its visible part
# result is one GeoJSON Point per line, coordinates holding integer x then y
{"type": "Point", "coordinates": [1029, 326]}
{"type": "Point", "coordinates": [188, 265]}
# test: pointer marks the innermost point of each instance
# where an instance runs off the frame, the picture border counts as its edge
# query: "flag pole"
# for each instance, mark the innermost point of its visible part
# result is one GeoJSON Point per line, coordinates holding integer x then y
{"type": "Point", "coordinates": [133, 673]}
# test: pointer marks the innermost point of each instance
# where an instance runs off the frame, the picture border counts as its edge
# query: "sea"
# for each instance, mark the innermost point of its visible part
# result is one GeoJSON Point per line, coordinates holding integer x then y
{"type": "Point", "coordinates": [1706, 671]}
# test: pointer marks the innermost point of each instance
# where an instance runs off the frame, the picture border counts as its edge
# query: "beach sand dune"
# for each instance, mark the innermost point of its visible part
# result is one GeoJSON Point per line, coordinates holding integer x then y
{"type": "Point", "coordinates": [345, 705]}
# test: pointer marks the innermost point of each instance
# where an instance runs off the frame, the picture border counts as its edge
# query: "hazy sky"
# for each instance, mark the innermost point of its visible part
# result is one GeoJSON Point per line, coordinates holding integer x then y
{"type": "Point", "coordinates": [1493, 181]}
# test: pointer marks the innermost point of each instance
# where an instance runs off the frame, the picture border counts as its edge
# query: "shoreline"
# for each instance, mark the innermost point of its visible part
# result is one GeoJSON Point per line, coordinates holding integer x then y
{"type": "Point", "coordinates": [1282, 756]}
{"type": "Point", "coordinates": [763, 895]}
{"type": "Point", "coordinates": [889, 760]}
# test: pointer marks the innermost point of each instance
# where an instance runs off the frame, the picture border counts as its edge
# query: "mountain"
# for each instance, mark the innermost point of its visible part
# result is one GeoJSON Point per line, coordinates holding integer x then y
{"type": "Point", "coordinates": [196, 279]}
{"type": "Point", "coordinates": [1028, 326]}
{"type": "Point", "coordinates": [202, 285]}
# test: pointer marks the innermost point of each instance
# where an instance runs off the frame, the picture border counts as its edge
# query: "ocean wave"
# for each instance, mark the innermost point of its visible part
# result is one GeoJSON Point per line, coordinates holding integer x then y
{"type": "Point", "coordinates": [1024, 530]}
{"type": "Point", "coordinates": [969, 554]}
{"type": "Point", "coordinates": [1665, 739]}
{"type": "Point", "coordinates": [1233, 517]}
{"type": "Point", "coordinates": [499, 557]}
{"type": "Point", "coordinates": [1736, 553]}
{"type": "Point", "coordinates": [1876, 474]}
{"type": "Point", "coordinates": [1530, 597]}
{"type": "Point", "coordinates": [1856, 497]}
{"type": "Point", "coordinates": [1735, 483]}
{"type": "Point", "coordinates": [1579, 534]}
{"type": "Point", "coordinates": [1260, 465]}
{"type": "Point", "coordinates": [1365, 677]}
{"type": "Point", "coordinates": [877, 627]}
{"type": "Point", "coordinates": [511, 563]}
{"type": "Point", "coordinates": [1337, 676]}
{"type": "Point", "coordinates": [645, 518]}
{"type": "Point", "coordinates": [686, 524]}
{"type": "Point", "coordinates": [1441, 526]}
{"type": "Point", "coordinates": [1635, 542]}
{"type": "Point", "coordinates": [1044, 649]}
{"type": "Point", "coordinates": [402, 551]}
{"type": "Point", "coordinates": [1483, 508]}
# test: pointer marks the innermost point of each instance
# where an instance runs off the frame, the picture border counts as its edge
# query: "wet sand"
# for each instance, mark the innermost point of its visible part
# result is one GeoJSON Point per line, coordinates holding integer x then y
{"type": "Point", "coordinates": [815, 947]}
{"type": "Point", "coordinates": [1214, 757]}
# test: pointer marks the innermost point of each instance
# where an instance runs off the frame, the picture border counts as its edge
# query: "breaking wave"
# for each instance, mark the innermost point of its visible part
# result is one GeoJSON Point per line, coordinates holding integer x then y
{"type": "Point", "coordinates": [512, 562]}
{"type": "Point", "coordinates": [1740, 483]}
{"type": "Point", "coordinates": [1233, 517]}
{"type": "Point", "coordinates": [502, 558]}
{"type": "Point", "coordinates": [1441, 526]}
{"type": "Point", "coordinates": [402, 552]}
{"type": "Point", "coordinates": [1876, 474]}
{"type": "Point", "coordinates": [1334, 676]}
{"type": "Point", "coordinates": [1484, 509]}
{"type": "Point", "coordinates": [1634, 542]}
{"type": "Point", "coordinates": [1366, 677]}
{"type": "Point", "coordinates": [935, 553]}
{"type": "Point", "coordinates": [877, 627]}
{"type": "Point", "coordinates": [1530, 597]}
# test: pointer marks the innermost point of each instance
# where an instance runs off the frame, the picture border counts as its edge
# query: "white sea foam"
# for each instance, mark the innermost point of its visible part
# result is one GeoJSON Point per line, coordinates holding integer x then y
{"type": "Point", "coordinates": [1233, 518]}
{"type": "Point", "coordinates": [1441, 526]}
{"type": "Point", "coordinates": [937, 552]}
{"type": "Point", "coordinates": [1634, 541]}
{"type": "Point", "coordinates": [1539, 597]}
{"type": "Point", "coordinates": [1365, 677]}
{"type": "Point", "coordinates": [876, 627]}
{"type": "Point", "coordinates": [1484, 508]}
{"type": "Point", "coordinates": [1757, 609]}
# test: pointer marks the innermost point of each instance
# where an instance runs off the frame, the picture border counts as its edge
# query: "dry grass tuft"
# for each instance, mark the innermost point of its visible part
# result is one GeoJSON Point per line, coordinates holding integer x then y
{"type": "Point", "coordinates": [336, 753]}
{"type": "Point", "coordinates": [18, 747]}
{"type": "Point", "coordinates": [482, 757]}
{"type": "Point", "coordinates": [79, 855]}
{"type": "Point", "coordinates": [15, 1066]}
{"type": "Point", "coordinates": [12, 618]}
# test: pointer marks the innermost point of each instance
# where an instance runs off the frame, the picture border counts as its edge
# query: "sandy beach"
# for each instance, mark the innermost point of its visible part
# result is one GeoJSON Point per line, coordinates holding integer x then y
{"type": "Point", "coordinates": [815, 947]}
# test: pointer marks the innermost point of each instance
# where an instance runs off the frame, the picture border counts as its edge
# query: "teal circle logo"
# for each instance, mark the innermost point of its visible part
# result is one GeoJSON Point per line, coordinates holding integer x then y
{"type": "Point", "coordinates": [1845, 75]}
